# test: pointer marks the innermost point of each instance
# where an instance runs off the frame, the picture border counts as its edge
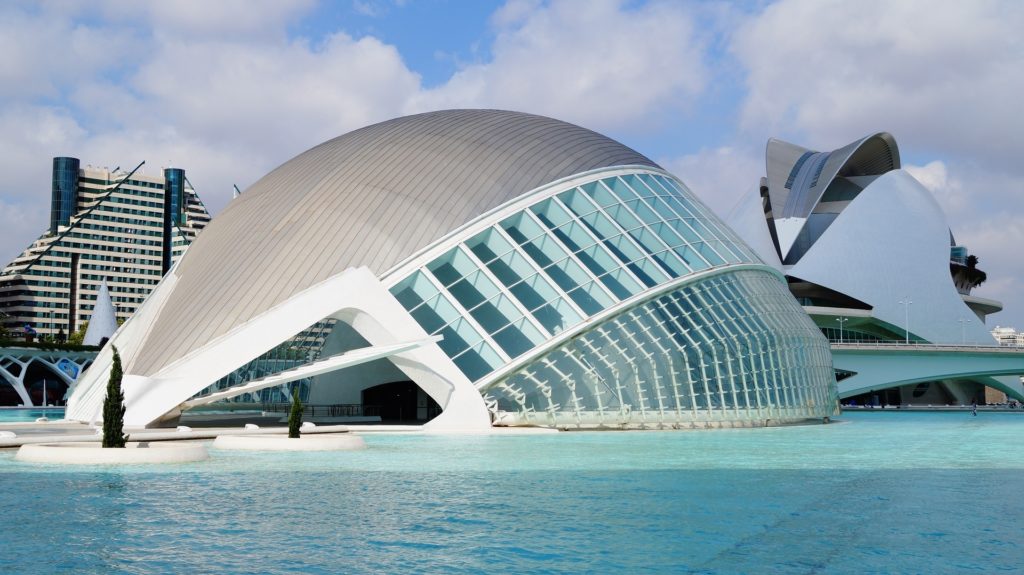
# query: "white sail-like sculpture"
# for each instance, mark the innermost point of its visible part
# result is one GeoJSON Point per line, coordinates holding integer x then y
{"type": "Point", "coordinates": [103, 322]}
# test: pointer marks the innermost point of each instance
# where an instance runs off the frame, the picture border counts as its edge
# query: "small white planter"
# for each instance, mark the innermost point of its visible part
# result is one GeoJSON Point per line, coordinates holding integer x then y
{"type": "Point", "coordinates": [318, 442]}
{"type": "Point", "coordinates": [90, 453]}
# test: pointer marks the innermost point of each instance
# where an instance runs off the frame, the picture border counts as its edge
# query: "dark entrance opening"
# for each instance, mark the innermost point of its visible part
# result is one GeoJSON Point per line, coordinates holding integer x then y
{"type": "Point", "coordinates": [41, 378]}
{"type": "Point", "coordinates": [8, 395]}
{"type": "Point", "coordinates": [400, 402]}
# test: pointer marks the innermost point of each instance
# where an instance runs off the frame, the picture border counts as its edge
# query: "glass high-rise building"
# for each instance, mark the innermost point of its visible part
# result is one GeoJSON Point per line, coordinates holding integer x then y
{"type": "Point", "coordinates": [127, 228]}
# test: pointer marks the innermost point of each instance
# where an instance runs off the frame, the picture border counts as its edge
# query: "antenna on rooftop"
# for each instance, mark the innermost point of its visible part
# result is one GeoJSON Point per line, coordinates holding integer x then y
{"type": "Point", "coordinates": [236, 192]}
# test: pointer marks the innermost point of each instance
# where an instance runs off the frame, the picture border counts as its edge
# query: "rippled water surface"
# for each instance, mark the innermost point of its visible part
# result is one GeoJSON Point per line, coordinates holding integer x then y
{"type": "Point", "coordinates": [877, 493]}
{"type": "Point", "coordinates": [21, 414]}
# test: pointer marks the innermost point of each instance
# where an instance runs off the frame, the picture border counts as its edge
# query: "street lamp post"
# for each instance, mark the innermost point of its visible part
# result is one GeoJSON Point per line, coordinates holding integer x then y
{"type": "Point", "coordinates": [963, 330]}
{"type": "Point", "coordinates": [906, 302]}
{"type": "Point", "coordinates": [841, 321]}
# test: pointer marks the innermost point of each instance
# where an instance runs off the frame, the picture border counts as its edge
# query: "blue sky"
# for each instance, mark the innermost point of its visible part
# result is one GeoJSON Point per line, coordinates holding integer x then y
{"type": "Point", "coordinates": [230, 89]}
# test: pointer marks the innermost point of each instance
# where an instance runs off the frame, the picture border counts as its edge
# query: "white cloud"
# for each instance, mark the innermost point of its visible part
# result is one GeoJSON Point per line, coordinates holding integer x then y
{"type": "Point", "coordinates": [949, 191]}
{"type": "Point", "coordinates": [943, 76]}
{"type": "Point", "coordinates": [598, 63]}
{"type": "Point", "coordinates": [720, 176]}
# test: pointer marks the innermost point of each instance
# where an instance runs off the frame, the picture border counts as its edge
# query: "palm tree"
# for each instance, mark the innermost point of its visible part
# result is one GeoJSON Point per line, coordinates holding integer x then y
{"type": "Point", "coordinates": [975, 276]}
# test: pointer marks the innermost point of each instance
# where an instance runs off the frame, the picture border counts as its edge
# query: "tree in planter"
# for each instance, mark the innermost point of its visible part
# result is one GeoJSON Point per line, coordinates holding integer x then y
{"type": "Point", "coordinates": [295, 416]}
{"type": "Point", "coordinates": [113, 407]}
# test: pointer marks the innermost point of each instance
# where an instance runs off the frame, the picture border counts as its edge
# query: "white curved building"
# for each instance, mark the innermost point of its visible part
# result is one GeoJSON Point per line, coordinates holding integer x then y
{"type": "Point", "coordinates": [512, 268]}
{"type": "Point", "coordinates": [868, 252]}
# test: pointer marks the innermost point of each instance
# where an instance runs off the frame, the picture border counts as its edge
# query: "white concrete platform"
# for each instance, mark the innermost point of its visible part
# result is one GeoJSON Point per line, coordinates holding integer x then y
{"type": "Point", "coordinates": [90, 453]}
{"type": "Point", "coordinates": [332, 442]}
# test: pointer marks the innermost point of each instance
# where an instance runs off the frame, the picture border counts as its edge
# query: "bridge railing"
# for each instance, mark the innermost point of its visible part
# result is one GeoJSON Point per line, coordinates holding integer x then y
{"type": "Point", "coordinates": [925, 345]}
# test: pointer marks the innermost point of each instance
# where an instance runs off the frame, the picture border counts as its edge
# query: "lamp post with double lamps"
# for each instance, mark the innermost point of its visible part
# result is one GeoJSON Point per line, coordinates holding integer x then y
{"type": "Point", "coordinates": [841, 321]}
{"type": "Point", "coordinates": [963, 330]}
{"type": "Point", "coordinates": [906, 302]}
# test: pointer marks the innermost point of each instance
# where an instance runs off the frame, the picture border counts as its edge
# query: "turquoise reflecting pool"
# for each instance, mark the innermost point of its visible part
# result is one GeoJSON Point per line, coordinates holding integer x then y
{"type": "Point", "coordinates": [20, 414]}
{"type": "Point", "coordinates": [877, 493]}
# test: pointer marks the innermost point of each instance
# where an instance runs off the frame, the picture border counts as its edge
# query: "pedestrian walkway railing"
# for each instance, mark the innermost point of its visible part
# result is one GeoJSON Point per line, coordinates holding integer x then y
{"type": "Point", "coordinates": [319, 410]}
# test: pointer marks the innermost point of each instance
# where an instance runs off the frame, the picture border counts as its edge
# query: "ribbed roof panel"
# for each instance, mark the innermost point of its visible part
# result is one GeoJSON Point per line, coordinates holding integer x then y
{"type": "Point", "coordinates": [371, 198]}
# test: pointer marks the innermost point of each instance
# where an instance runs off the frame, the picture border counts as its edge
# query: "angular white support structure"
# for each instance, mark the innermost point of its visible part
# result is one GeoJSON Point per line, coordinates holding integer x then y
{"type": "Point", "coordinates": [15, 363]}
{"type": "Point", "coordinates": [333, 363]}
{"type": "Point", "coordinates": [355, 297]}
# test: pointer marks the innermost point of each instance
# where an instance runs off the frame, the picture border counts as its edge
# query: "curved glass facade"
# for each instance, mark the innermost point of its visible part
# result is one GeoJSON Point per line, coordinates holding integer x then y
{"type": "Point", "coordinates": [746, 348]}
{"type": "Point", "coordinates": [733, 347]}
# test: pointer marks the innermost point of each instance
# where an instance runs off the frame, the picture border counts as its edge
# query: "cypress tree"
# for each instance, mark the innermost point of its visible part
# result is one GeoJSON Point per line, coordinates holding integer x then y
{"type": "Point", "coordinates": [295, 416]}
{"type": "Point", "coordinates": [113, 407]}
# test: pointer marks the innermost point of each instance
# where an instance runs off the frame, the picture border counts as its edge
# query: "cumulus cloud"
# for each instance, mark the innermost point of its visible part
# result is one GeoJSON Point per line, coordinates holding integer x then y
{"type": "Point", "coordinates": [943, 76]}
{"type": "Point", "coordinates": [722, 177]}
{"type": "Point", "coordinates": [949, 191]}
{"type": "Point", "coordinates": [599, 63]}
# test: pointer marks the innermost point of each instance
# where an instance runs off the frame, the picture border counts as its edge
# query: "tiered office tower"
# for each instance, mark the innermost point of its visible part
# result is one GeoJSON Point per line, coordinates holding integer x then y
{"type": "Point", "coordinates": [124, 227]}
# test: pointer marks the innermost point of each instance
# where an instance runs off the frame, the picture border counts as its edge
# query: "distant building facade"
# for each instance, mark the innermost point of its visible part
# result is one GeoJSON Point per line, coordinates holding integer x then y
{"type": "Point", "coordinates": [1008, 336]}
{"type": "Point", "coordinates": [124, 227]}
{"type": "Point", "coordinates": [868, 252]}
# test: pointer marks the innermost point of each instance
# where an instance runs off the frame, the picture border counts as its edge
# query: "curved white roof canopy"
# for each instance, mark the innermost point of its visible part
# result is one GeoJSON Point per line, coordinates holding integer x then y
{"type": "Point", "coordinates": [799, 179]}
{"type": "Point", "coordinates": [370, 198]}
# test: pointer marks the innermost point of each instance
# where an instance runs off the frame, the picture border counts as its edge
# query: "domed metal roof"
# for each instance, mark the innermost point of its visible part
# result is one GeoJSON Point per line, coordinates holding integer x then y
{"type": "Point", "coordinates": [371, 198]}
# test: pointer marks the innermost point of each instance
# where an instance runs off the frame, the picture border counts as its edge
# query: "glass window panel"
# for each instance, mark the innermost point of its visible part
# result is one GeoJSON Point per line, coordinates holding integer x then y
{"type": "Point", "coordinates": [556, 316]}
{"type": "Point", "coordinates": [435, 314]}
{"type": "Point", "coordinates": [667, 234]}
{"type": "Point", "coordinates": [495, 313]}
{"type": "Point", "coordinates": [488, 245]}
{"type": "Point", "coordinates": [692, 258]}
{"type": "Point", "coordinates": [544, 250]}
{"type": "Point", "coordinates": [684, 229]}
{"type": "Point", "coordinates": [600, 193]}
{"type": "Point", "coordinates": [597, 260]}
{"type": "Point", "coordinates": [457, 336]}
{"type": "Point", "coordinates": [550, 213]}
{"type": "Point", "coordinates": [623, 216]}
{"type": "Point", "coordinates": [511, 269]}
{"type": "Point", "coordinates": [620, 189]}
{"type": "Point", "coordinates": [534, 292]}
{"type": "Point", "coordinates": [671, 263]}
{"type": "Point", "coordinates": [577, 201]}
{"type": "Point", "coordinates": [478, 361]}
{"type": "Point", "coordinates": [567, 274]}
{"type": "Point", "coordinates": [590, 298]}
{"type": "Point", "coordinates": [414, 290]}
{"type": "Point", "coordinates": [634, 181]}
{"type": "Point", "coordinates": [574, 236]}
{"type": "Point", "coordinates": [518, 338]}
{"type": "Point", "coordinates": [620, 283]}
{"type": "Point", "coordinates": [473, 290]}
{"type": "Point", "coordinates": [662, 208]}
{"type": "Point", "coordinates": [602, 227]}
{"type": "Point", "coordinates": [654, 182]}
{"type": "Point", "coordinates": [725, 250]}
{"type": "Point", "coordinates": [645, 212]}
{"type": "Point", "coordinates": [451, 267]}
{"type": "Point", "coordinates": [647, 272]}
{"type": "Point", "coordinates": [521, 227]}
{"type": "Point", "coordinates": [680, 207]}
{"type": "Point", "coordinates": [709, 253]}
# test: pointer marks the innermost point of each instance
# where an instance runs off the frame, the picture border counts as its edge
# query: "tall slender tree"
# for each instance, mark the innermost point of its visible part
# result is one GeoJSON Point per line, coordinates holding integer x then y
{"type": "Point", "coordinates": [295, 416]}
{"type": "Point", "coordinates": [113, 407]}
